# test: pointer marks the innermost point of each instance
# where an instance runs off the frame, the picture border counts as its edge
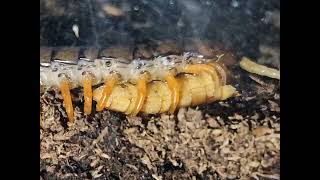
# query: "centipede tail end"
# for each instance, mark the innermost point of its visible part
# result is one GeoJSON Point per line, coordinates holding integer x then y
{"type": "Point", "coordinates": [227, 91]}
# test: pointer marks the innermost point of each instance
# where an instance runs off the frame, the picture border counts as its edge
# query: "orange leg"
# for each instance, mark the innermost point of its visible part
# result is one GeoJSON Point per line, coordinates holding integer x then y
{"type": "Point", "coordinates": [174, 88]}
{"type": "Point", "coordinates": [109, 85]}
{"type": "Point", "coordinates": [67, 102]}
{"type": "Point", "coordinates": [142, 93]}
{"type": "Point", "coordinates": [87, 93]}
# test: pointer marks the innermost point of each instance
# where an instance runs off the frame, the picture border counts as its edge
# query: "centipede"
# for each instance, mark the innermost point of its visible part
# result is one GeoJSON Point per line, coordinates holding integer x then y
{"type": "Point", "coordinates": [157, 85]}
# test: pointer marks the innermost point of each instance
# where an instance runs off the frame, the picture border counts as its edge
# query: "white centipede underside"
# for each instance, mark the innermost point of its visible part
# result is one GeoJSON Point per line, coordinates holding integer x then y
{"type": "Point", "coordinates": [50, 74]}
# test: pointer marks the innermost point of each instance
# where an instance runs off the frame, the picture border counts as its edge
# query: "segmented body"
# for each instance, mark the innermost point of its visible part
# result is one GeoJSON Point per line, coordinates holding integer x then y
{"type": "Point", "coordinates": [158, 85]}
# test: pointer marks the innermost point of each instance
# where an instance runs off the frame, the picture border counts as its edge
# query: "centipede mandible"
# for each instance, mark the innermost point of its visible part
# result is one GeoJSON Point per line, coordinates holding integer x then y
{"type": "Point", "coordinates": [160, 84]}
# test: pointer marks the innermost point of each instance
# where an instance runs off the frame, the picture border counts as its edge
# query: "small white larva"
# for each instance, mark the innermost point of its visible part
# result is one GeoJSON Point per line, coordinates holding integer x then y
{"type": "Point", "coordinates": [75, 29]}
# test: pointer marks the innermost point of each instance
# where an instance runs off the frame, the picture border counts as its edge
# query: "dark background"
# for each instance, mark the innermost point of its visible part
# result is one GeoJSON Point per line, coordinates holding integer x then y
{"type": "Point", "coordinates": [241, 25]}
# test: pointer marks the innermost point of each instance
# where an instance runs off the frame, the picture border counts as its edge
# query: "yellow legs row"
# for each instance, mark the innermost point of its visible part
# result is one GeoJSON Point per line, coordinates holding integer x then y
{"type": "Point", "coordinates": [67, 101]}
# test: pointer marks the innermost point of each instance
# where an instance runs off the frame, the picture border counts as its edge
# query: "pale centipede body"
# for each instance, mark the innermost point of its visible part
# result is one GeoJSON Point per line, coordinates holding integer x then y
{"type": "Point", "coordinates": [159, 85]}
